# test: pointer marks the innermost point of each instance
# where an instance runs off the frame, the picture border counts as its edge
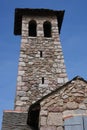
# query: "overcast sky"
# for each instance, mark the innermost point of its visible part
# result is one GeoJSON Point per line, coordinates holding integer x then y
{"type": "Point", "coordinates": [73, 39]}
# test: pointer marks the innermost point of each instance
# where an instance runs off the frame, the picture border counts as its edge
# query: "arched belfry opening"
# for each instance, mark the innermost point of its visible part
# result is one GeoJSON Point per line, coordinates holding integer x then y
{"type": "Point", "coordinates": [33, 116]}
{"type": "Point", "coordinates": [32, 28]}
{"type": "Point", "coordinates": [47, 29]}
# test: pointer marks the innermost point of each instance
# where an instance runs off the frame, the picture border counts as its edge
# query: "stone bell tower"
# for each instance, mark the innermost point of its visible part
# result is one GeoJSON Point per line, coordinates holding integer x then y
{"type": "Point", "coordinates": [41, 62]}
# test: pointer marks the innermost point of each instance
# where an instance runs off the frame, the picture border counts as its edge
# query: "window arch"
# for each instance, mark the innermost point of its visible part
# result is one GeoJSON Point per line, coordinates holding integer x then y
{"type": "Point", "coordinates": [47, 29]}
{"type": "Point", "coordinates": [32, 31]}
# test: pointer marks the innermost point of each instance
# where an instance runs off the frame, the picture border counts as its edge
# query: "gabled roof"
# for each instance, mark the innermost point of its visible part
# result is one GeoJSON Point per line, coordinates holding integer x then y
{"type": "Point", "coordinates": [19, 12]}
{"type": "Point", "coordinates": [59, 88]}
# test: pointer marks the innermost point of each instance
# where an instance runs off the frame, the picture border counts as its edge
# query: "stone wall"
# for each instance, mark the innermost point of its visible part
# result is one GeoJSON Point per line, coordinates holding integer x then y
{"type": "Point", "coordinates": [70, 100]}
{"type": "Point", "coordinates": [32, 67]}
{"type": "Point", "coordinates": [13, 120]}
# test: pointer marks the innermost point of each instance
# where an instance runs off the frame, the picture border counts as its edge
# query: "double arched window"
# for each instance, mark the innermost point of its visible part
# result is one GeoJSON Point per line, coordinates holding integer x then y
{"type": "Point", "coordinates": [47, 29]}
{"type": "Point", "coordinates": [32, 28]}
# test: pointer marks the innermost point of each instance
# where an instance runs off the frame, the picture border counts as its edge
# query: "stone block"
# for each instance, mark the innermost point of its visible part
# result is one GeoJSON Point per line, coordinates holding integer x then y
{"type": "Point", "coordinates": [60, 80]}
{"type": "Point", "coordinates": [55, 109]}
{"type": "Point", "coordinates": [30, 63]}
{"type": "Point", "coordinates": [43, 113]}
{"type": "Point", "coordinates": [48, 128]}
{"type": "Point", "coordinates": [60, 128]}
{"type": "Point", "coordinates": [19, 78]}
{"type": "Point", "coordinates": [71, 105]}
{"type": "Point", "coordinates": [24, 40]}
{"type": "Point", "coordinates": [51, 102]}
{"type": "Point", "coordinates": [43, 121]}
{"type": "Point", "coordinates": [24, 98]}
{"type": "Point", "coordinates": [22, 64]}
{"type": "Point", "coordinates": [54, 119]}
{"type": "Point", "coordinates": [21, 93]}
{"type": "Point", "coordinates": [19, 103]}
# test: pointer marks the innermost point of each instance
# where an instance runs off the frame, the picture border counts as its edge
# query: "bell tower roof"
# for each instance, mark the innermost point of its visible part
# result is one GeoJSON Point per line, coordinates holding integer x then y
{"type": "Point", "coordinates": [19, 12]}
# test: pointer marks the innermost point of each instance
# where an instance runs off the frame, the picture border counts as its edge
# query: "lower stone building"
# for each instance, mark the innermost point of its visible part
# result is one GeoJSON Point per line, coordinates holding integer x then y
{"type": "Point", "coordinates": [65, 108]}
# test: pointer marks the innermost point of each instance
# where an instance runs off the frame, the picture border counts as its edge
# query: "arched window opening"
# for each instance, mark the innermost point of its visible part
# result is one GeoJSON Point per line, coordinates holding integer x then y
{"type": "Point", "coordinates": [47, 29]}
{"type": "Point", "coordinates": [32, 31]}
{"type": "Point", "coordinates": [33, 116]}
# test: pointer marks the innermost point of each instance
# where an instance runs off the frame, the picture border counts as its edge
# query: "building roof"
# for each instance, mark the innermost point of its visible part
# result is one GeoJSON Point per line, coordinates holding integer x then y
{"type": "Point", "coordinates": [19, 12]}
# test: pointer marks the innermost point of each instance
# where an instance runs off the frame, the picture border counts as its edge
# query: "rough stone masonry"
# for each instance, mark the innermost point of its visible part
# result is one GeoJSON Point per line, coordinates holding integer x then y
{"type": "Point", "coordinates": [32, 68]}
{"type": "Point", "coordinates": [67, 102]}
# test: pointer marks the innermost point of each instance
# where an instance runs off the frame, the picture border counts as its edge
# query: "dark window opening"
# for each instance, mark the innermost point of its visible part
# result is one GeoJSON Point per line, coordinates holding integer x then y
{"type": "Point", "coordinates": [47, 29]}
{"type": "Point", "coordinates": [33, 116]}
{"type": "Point", "coordinates": [42, 80]}
{"type": "Point", "coordinates": [41, 54]}
{"type": "Point", "coordinates": [32, 29]}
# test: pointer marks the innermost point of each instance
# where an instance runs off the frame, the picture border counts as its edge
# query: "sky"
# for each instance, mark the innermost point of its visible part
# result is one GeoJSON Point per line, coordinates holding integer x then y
{"type": "Point", "coordinates": [73, 40]}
